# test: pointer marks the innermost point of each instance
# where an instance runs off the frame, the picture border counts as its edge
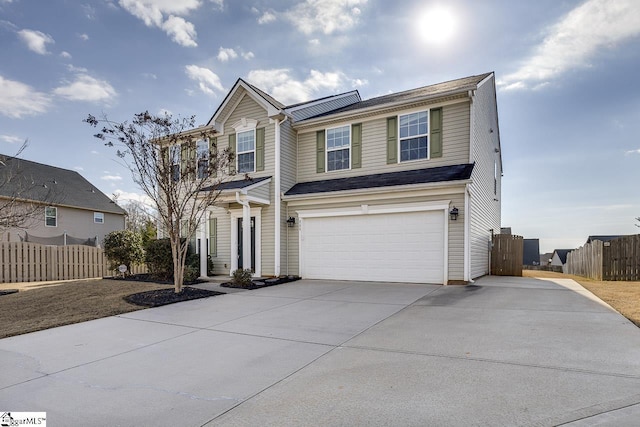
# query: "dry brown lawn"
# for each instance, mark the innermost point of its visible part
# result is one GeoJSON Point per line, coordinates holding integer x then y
{"type": "Point", "coordinates": [72, 302]}
{"type": "Point", "coordinates": [622, 296]}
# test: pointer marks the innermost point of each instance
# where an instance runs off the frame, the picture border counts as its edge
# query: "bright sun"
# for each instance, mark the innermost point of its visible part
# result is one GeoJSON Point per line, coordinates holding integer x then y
{"type": "Point", "coordinates": [436, 25]}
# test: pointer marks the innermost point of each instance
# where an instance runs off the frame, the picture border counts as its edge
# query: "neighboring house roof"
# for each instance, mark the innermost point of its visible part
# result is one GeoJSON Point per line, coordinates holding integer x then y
{"type": "Point", "coordinates": [545, 259]}
{"type": "Point", "coordinates": [505, 230]}
{"type": "Point", "coordinates": [452, 86]}
{"type": "Point", "coordinates": [52, 185]}
{"type": "Point", "coordinates": [603, 238]}
{"type": "Point", "coordinates": [237, 184]}
{"type": "Point", "coordinates": [562, 254]}
{"type": "Point", "coordinates": [530, 251]}
{"type": "Point", "coordinates": [419, 176]}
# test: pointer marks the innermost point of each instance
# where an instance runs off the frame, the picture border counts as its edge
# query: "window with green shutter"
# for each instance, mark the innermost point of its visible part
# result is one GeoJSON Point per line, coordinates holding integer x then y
{"type": "Point", "coordinates": [392, 140]}
{"type": "Point", "coordinates": [213, 237]}
{"type": "Point", "coordinates": [320, 147]}
{"type": "Point", "coordinates": [232, 150]}
{"type": "Point", "coordinates": [260, 149]}
{"type": "Point", "coordinates": [356, 146]}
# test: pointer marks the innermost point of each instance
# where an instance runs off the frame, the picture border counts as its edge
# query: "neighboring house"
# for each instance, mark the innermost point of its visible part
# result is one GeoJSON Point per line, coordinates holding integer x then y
{"type": "Point", "coordinates": [505, 230]}
{"type": "Point", "coordinates": [559, 258]}
{"type": "Point", "coordinates": [404, 187]}
{"type": "Point", "coordinates": [545, 259]}
{"type": "Point", "coordinates": [530, 252]}
{"type": "Point", "coordinates": [603, 238]}
{"type": "Point", "coordinates": [66, 207]}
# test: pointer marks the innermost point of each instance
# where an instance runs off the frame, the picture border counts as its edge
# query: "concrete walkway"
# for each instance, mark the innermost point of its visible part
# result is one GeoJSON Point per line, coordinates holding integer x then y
{"type": "Point", "coordinates": [506, 351]}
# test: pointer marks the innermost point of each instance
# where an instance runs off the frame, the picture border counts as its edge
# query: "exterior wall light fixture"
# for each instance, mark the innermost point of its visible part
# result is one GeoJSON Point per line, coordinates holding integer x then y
{"type": "Point", "coordinates": [291, 221]}
{"type": "Point", "coordinates": [453, 214]}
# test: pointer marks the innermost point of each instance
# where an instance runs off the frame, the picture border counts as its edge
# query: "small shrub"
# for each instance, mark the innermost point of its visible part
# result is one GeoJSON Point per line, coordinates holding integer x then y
{"type": "Point", "coordinates": [242, 278]}
{"type": "Point", "coordinates": [123, 247]}
{"type": "Point", "coordinates": [160, 261]}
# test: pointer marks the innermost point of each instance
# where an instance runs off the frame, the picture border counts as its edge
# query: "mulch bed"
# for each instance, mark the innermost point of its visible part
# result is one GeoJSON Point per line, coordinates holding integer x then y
{"type": "Point", "coordinates": [146, 277]}
{"type": "Point", "coordinates": [257, 284]}
{"type": "Point", "coordinates": [160, 297]}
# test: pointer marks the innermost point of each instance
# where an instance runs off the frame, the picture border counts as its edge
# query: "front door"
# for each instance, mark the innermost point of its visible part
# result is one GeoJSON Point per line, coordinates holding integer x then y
{"type": "Point", "coordinates": [253, 243]}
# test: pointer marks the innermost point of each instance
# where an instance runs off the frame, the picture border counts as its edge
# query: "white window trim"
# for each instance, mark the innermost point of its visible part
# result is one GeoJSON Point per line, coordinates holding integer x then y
{"type": "Point", "coordinates": [428, 135]}
{"type": "Point", "coordinates": [47, 216]}
{"type": "Point", "coordinates": [97, 215]}
{"type": "Point", "coordinates": [205, 141]}
{"type": "Point", "coordinates": [245, 125]}
{"type": "Point", "coordinates": [327, 150]}
{"type": "Point", "coordinates": [238, 152]}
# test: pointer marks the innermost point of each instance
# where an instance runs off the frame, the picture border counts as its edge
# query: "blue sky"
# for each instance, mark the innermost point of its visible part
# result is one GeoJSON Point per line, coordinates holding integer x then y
{"type": "Point", "coordinates": [568, 95]}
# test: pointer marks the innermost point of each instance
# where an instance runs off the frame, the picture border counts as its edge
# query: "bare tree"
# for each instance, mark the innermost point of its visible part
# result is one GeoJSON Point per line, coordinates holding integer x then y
{"type": "Point", "coordinates": [168, 161]}
{"type": "Point", "coordinates": [21, 197]}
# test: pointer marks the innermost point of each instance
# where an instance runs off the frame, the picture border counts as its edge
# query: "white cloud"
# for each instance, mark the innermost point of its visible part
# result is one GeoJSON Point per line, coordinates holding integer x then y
{"type": "Point", "coordinates": [247, 55]}
{"type": "Point", "coordinates": [575, 40]}
{"type": "Point", "coordinates": [164, 112]}
{"type": "Point", "coordinates": [150, 76]}
{"type": "Point", "coordinates": [86, 88]}
{"type": "Point", "coordinates": [84, 36]}
{"type": "Point", "coordinates": [18, 99]}
{"type": "Point", "coordinates": [208, 81]}
{"type": "Point", "coordinates": [181, 31]}
{"type": "Point", "coordinates": [89, 11]}
{"type": "Point", "coordinates": [94, 152]}
{"type": "Point", "coordinates": [325, 16]}
{"type": "Point", "coordinates": [11, 139]}
{"type": "Point", "coordinates": [153, 12]}
{"type": "Point", "coordinates": [280, 84]}
{"type": "Point", "coordinates": [226, 53]}
{"type": "Point", "coordinates": [637, 151]}
{"type": "Point", "coordinates": [314, 42]}
{"type": "Point", "coordinates": [78, 168]}
{"type": "Point", "coordinates": [267, 17]}
{"type": "Point", "coordinates": [127, 196]}
{"type": "Point", "coordinates": [64, 54]}
{"type": "Point", "coordinates": [36, 41]}
{"type": "Point", "coordinates": [218, 4]}
{"type": "Point", "coordinates": [111, 178]}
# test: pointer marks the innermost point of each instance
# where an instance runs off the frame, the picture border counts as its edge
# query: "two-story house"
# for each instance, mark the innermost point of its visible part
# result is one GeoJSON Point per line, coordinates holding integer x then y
{"type": "Point", "coordinates": [399, 188]}
{"type": "Point", "coordinates": [61, 206]}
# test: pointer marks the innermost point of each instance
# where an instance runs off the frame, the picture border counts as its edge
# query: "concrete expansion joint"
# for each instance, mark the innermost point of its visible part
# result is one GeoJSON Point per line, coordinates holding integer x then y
{"type": "Point", "coordinates": [606, 409]}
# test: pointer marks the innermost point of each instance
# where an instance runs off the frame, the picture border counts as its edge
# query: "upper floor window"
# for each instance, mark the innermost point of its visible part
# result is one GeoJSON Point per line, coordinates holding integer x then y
{"type": "Point", "coordinates": [338, 148]}
{"type": "Point", "coordinates": [174, 157]}
{"type": "Point", "coordinates": [246, 151]}
{"type": "Point", "coordinates": [98, 217]}
{"type": "Point", "coordinates": [202, 158]}
{"type": "Point", "coordinates": [50, 216]}
{"type": "Point", "coordinates": [414, 136]}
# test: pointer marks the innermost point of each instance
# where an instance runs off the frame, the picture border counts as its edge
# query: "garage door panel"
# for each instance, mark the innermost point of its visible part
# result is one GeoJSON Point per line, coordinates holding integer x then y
{"type": "Point", "coordinates": [401, 247]}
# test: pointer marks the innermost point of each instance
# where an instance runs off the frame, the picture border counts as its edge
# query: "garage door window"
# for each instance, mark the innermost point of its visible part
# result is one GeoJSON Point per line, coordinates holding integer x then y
{"type": "Point", "coordinates": [338, 148]}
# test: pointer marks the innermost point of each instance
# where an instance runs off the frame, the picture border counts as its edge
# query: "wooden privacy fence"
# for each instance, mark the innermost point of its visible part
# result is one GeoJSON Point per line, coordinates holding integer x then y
{"type": "Point", "coordinates": [587, 260]}
{"type": "Point", "coordinates": [33, 262]}
{"type": "Point", "coordinates": [506, 255]}
{"type": "Point", "coordinates": [618, 259]}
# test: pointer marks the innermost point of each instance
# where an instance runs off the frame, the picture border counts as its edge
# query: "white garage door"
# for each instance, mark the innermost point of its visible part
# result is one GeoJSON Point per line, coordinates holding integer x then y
{"type": "Point", "coordinates": [397, 247]}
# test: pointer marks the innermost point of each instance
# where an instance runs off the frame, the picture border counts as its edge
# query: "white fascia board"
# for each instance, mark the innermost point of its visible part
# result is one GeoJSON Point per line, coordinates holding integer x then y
{"type": "Point", "coordinates": [399, 191]}
{"type": "Point", "coordinates": [310, 122]}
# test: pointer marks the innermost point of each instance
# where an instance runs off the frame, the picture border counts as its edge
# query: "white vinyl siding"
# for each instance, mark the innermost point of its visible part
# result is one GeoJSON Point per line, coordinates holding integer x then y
{"type": "Point", "coordinates": [455, 143]}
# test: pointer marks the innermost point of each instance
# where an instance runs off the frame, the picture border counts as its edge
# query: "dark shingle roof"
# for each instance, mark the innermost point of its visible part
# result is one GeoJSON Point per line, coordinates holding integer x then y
{"type": "Point", "coordinates": [419, 176]}
{"type": "Point", "coordinates": [466, 83]}
{"type": "Point", "coordinates": [603, 238]}
{"type": "Point", "coordinates": [562, 254]}
{"type": "Point", "coordinates": [237, 184]}
{"type": "Point", "coordinates": [51, 185]}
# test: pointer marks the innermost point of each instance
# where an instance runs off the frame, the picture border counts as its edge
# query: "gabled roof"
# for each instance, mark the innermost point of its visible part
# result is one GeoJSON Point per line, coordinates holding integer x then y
{"type": "Point", "coordinates": [419, 176]}
{"type": "Point", "coordinates": [52, 185]}
{"type": "Point", "coordinates": [562, 254]}
{"type": "Point", "coordinates": [603, 238]}
{"type": "Point", "coordinates": [439, 89]}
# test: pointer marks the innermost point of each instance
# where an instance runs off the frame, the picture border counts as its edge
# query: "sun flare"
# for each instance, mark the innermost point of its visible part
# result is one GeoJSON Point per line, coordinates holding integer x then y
{"type": "Point", "coordinates": [437, 25]}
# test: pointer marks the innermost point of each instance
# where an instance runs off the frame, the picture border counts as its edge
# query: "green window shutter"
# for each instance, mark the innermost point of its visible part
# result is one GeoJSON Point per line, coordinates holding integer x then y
{"type": "Point", "coordinates": [213, 155]}
{"type": "Point", "coordinates": [435, 132]}
{"type": "Point", "coordinates": [356, 146]}
{"type": "Point", "coordinates": [184, 160]}
{"type": "Point", "coordinates": [260, 149]}
{"type": "Point", "coordinates": [192, 160]}
{"type": "Point", "coordinates": [213, 232]}
{"type": "Point", "coordinates": [392, 140]}
{"type": "Point", "coordinates": [320, 145]}
{"type": "Point", "coordinates": [232, 149]}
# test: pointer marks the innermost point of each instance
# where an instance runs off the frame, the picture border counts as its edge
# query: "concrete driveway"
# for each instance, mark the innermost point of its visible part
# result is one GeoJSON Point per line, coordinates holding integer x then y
{"type": "Point", "coordinates": [507, 351]}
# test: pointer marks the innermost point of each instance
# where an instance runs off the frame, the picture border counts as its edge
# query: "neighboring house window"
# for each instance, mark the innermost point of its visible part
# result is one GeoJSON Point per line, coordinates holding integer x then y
{"type": "Point", "coordinates": [51, 216]}
{"type": "Point", "coordinates": [202, 153]}
{"type": "Point", "coordinates": [338, 148]}
{"type": "Point", "coordinates": [98, 217]}
{"type": "Point", "coordinates": [414, 136]}
{"type": "Point", "coordinates": [246, 146]}
{"type": "Point", "coordinates": [174, 155]}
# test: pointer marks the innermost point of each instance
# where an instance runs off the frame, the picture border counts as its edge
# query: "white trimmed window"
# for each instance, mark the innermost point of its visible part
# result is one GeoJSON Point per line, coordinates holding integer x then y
{"type": "Point", "coordinates": [174, 157]}
{"type": "Point", "coordinates": [98, 217]}
{"type": "Point", "coordinates": [246, 151]}
{"type": "Point", "coordinates": [414, 136]}
{"type": "Point", "coordinates": [202, 158]}
{"type": "Point", "coordinates": [50, 216]}
{"type": "Point", "coordinates": [339, 148]}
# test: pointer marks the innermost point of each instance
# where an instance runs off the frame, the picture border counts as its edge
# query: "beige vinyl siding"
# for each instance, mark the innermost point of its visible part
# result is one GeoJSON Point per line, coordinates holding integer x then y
{"type": "Point", "coordinates": [288, 171]}
{"type": "Point", "coordinates": [263, 191]}
{"type": "Point", "coordinates": [456, 228]}
{"type": "Point", "coordinates": [374, 147]}
{"type": "Point", "coordinates": [485, 205]}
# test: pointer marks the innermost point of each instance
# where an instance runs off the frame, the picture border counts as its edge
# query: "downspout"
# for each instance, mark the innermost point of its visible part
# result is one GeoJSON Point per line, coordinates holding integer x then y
{"type": "Point", "coordinates": [278, 200]}
{"type": "Point", "coordinates": [467, 245]}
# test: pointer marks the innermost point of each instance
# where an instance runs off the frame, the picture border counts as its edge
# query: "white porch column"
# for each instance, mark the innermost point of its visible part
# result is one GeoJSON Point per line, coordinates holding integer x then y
{"type": "Point", "coordinates": [246, 236]}
{"type": "Point", "coordinates": [204, 250]}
